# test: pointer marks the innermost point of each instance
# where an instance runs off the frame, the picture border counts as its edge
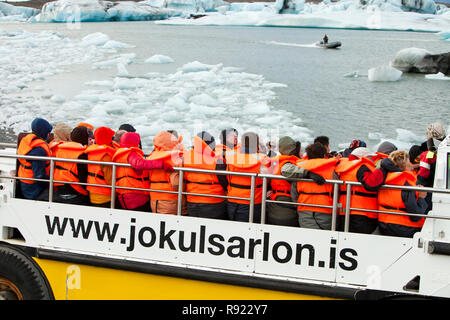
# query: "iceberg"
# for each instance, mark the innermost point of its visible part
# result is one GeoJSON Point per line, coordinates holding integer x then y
{"type": "Point", "coordinates": [70, 11]}
{"type": "Point", "coordinates": [444, 35]}
{"type": "Point", "coordinates": [384, 74]}
{"type": "Point", "coordinates": [407, 59]}
{"type": "Point", "coordinates": [159, 59]}
{"type": "Point", "coordinates": [437, 76]}
{"type": "Point", "coordinates": [9, 12]}
{"type": "Point", "coordinates": [422, 61]}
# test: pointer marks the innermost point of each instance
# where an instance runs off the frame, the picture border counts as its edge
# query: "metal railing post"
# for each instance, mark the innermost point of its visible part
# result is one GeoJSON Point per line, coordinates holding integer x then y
{"type": "Point", "coordinates": [263, 202]}
{"type": "Point", "coordinates": [113, 187]}
{"type": "Point", "coordinates": [50, 186]}
{"type": "Point", "coordinates": [180, 193]}
{"type": "Point", "coordinates": [334, 211]}
{"type": "Point", "coordinates": [347, 207]}
{"type": "Point", "coordinates": [251, 211]}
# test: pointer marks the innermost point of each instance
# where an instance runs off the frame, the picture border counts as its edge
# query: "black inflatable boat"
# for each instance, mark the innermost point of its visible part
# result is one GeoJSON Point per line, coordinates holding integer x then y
{"type": "Point", "coordinates": [329, 45]}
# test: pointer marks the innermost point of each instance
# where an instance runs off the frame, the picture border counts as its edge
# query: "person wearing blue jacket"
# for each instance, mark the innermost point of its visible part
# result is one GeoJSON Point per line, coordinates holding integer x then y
{"type": "Point", "coordinates": [36, 143]}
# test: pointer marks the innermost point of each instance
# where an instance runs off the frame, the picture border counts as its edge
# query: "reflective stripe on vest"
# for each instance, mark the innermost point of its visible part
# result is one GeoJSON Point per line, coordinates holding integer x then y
{"type": "Point", "coordinates": [312, 193]}
{"type": "Point", "coordinates": [68, 171]}
{"type": "Point", "coordinates": [239, 186]}
{"type": "Point", "coordinates": [27, 143]}
{"type": "Point", "coordinates": [126, 176]}
{"type": "Point", "coordinates": [204, 183]}
{"type": "Point", "coordinates": [95, 173]}
{"type": "Point", "coordinates": [360, 197]}
{"type": "Point", "coordinates": [281, 187]}
{"type": "Point", "coordinates": [391, 200]}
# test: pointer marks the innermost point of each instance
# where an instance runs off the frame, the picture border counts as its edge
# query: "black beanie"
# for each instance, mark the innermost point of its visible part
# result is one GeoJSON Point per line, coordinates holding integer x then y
{"type": "Point", "coordinates": [80, 135]}
{"type": "Point", "coordinates": [127, 127]}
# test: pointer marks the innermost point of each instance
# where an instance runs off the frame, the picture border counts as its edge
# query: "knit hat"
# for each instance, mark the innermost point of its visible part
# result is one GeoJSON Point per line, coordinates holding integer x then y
{"type": "Point", "coordinates": [436, 131]}
{"type": "Point", "coordinates": [361, 152]}
{"type": "Point", "coordinates": [103, 136]}
{"type": "Point", "coordinates": [165, 141]}
{"type": "Point", "coordinates": [80, 135]}
{"type": "Point", "coordinates": [127, 127]}
{"type": "Point", "coordinates": [357, 143]}
{"type": "Point", "coordinates": [41, 127]}
{"type": "Point", "coordinates": [62, 132]}
{"type": "Point", "coordinates": [130, 139]}
{"type": "Point", "coordinates": [286, 145]}
{"type": "Point", "coordinates": [386, 147]}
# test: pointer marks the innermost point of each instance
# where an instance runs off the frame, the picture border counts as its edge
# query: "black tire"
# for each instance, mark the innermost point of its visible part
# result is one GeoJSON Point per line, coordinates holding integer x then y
{"type": "Point", "coordinates": [20, 270]}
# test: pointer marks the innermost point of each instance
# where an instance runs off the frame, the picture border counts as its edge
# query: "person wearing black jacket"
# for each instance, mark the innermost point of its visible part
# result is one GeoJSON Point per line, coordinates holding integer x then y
{"type": "Point", "coordinates": [405, 226]}
{"type": "Point", "coordinates": [66, 193]}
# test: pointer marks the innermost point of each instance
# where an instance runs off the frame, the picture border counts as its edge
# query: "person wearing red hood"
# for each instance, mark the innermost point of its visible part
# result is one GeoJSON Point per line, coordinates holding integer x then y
{"type": "Point", "coordinates": [169, 150]}
{"type": "Point", "coordinates": [202, 156]}
{"type": "Point", "coordinates": [135, 177]}
{"type": "Point", "coordinates": [102, 150]}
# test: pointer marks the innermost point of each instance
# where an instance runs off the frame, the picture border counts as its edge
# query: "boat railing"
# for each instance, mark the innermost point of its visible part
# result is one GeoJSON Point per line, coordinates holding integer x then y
{"type": "Point", "coordinates": [335, 207]}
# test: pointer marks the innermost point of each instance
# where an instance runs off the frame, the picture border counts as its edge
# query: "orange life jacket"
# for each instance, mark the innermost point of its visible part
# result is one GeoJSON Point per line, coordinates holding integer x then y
{"type": "Point", "coordinates": [27, 143]}
{"type": "Point", "coordinates": [281, 187]}
{"type": "Point", "coordinates": [68, 171]}
{"type": "Point", "coordinates": [391, 200]}
{"type": "Point", "coordinates": [126, 176]}
{"type": "Point", "coordinates": [202, 157]}
{"type": "Point", "coordinates": [160, 179]}
{"type": "Point", "coordinates": [240, 186]}
{"type": "Point", "coordinates": [360, 197]}
{"type": "Point", "coordinates": [53, 145]}
{"type": "Point", "coordinates": [312, 193]}
{"type": "Point", "coordinates": [116, 145]}
{"type": "Point", "coordinates": [379, 156]}
{"type": "Point", "coordinates": [95, 174]}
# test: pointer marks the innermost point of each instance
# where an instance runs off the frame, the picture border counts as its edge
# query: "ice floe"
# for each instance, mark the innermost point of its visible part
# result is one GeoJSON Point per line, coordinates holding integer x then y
{"type": "Point", "coordinates": [384, 74]}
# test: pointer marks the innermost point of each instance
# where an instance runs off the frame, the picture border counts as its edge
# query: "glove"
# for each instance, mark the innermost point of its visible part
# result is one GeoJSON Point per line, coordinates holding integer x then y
{"type": "Point", "coordinates": [167, 167]}
{"type": "Point", "coordinates": [315, 177]}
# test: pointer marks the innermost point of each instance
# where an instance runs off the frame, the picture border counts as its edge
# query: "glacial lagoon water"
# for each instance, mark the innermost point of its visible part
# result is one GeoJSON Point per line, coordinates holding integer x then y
{"type": "Point", "coordinates": [324, 92]}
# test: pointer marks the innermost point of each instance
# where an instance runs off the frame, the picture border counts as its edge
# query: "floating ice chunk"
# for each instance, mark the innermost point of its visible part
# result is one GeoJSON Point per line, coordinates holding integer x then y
{"type": "Point", "coordinates": [95, 39]}
{"type": "Point", "coordinates": [158, 58]}
{"type": "Point", "coordinates": [112, 44]}
{"type": "Point", "coordinates": [196, 66]}
{"type": "Point", "coordinates": [384, 73]}
{"type": "Point", "coordinates": [116, 106]}
{"type": "Point", "coordinates": [354, 74]}
{"type": "Point", "coordinates": [444, 35]}
{"type": "Point", "coordinates": [122, 70]}
{"type": "Point", "coordinates": [204, 99]}
{"type": "Point", "coordinates": [129, 84]}
{"type": "Point", "coordinates": [178, 103]}
{"type": "Point", "coordinates": [256, 108]}
{"type": "Point", "coordinates": [125, 58]}
{"type": "Point", "coordinates": [57, 99]}
{"type": "Point", "coordinates": [274, 85]}
{"type": "Point", "coordinates": [268, 121]}
{"type": "Point", "coordinates": [103, 83]}
{"type": "Point", "coordinates": [406, 136]}
{"type": "Point", "coordinates": [205, 110]}
{"type": "Point", "coordinates": [437, 76]}
{"type": "Point", "coordinates": [172, 116]}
